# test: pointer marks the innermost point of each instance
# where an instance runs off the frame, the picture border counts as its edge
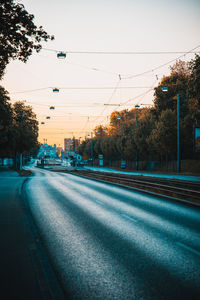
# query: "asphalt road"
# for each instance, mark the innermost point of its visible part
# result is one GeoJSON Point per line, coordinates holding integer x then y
{"type": "Point", "coordinates": [25, 271]}
{"type": "Point", "coordinates": [107, 242]}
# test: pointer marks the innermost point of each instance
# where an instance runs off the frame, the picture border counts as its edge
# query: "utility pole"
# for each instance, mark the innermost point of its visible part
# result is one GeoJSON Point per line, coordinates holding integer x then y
{"type": "Point", "coordinates": [123, 162]}
{"type": "Point", "coordinates": [178, 134]}
{"type": "Point", "coordinates": [165, 89]}
{"type": "Point", "coordinates": [92, 149]}
{"type": "Point", "coordinates": [136, 158]}
{"type": "Point", "coordinates": [122, 152]}
{"type": "Point", "coordinates": [20, 155]}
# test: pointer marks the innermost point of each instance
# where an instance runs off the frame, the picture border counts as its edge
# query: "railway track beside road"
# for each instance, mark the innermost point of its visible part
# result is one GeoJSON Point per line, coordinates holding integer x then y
{"type": "Point", "coordinates": [178, 190]}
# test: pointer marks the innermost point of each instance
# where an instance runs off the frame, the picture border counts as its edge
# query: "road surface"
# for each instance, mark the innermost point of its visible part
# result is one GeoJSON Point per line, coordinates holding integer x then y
{"type": "Point", "coordinates": [22, 258]}
{"type": "Point", "coordinates": [107, 242]}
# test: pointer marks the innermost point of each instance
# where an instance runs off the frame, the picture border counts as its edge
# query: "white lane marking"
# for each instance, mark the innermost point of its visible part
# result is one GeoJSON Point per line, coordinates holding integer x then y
{"type": "Point", "coordinates": [100, 202]}
{"type": "Point", "coordinates": [129, 218]}
{"type": "Point", "coordinates": [188, 248]}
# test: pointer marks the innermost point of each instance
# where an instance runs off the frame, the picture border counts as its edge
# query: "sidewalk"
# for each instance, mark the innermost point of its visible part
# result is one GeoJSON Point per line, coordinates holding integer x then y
{"type": "Point", "coordinates": [169, 176]}
{"type": "Point", "coordinates": [22, 261]}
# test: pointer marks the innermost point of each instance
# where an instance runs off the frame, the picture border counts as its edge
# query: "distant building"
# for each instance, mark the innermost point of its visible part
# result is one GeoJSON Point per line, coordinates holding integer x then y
{"type": "Point", "coordinates": [70, 147]}
{"type": "Point", "coordinates": [68, 144]}
{"type": "Point", "coordinates": [71, 144]}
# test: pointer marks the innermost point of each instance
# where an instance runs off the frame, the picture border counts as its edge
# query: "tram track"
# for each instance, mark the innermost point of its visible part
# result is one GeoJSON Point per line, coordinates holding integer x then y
{"type": "Point", "coordinates": [187, 191]}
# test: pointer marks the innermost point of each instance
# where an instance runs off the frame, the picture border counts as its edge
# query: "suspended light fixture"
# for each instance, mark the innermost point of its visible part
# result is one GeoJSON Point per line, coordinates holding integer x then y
{"type": "Point", "coordinates": [164, 89]}
{"type": "Point", "coordinates": [55, 90]}
{"type": "Point", "coordinates": [52, 107]}
{"type": "Point", "coordinates": [137, 106]}
{"type": "Point", "coordinates": [48, 117]}
{"type": "Point", "coordinates": [42, 122]}
{"type": "Point", "coordinates": [61, 55]}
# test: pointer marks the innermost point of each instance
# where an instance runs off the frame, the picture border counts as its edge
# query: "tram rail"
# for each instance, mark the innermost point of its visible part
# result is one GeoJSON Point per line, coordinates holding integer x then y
{"type": "Point", "coordinates": [178, 190]}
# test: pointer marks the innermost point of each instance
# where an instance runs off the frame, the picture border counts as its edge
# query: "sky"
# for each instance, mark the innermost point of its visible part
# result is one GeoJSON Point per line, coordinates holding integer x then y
{"type": "Point", "coordinates": [88, 82]}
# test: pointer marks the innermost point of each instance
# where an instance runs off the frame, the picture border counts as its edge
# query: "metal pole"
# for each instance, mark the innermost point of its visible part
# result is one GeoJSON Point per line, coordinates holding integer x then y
{"type": "Point", "coordinates": [178, 133]}
{"type": "Point", "coordinates": [136, 146]}
{"type": "Point", "coordinates": [20, 155]}
{"type": "Point", "coordinates": [122, 156]}
{"type": "Point", "coordinates": [92, 148]}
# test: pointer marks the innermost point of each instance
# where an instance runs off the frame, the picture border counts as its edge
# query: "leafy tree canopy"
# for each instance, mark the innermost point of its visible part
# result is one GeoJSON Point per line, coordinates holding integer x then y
{"type": "Point", "coordinates": [163, 136]}
{"type": "Point", "coordinates": [5, 109]}
{"type": "Point", "coordinates": [6, 116]}
{"type": "Point", "coordinates": [25, 126]}
{"type": "Point", "coordinates": [19, 36]}
{"type": "Point", "coordinates": [177, 81]}
{"type": "Point", "coordinates": [195, 78]}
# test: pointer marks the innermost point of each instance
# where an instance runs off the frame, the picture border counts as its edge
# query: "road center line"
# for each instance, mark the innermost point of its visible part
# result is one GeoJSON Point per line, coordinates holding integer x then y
{"type": "Point", "coordinates": [99, 202]}
{"type": "Point", "coordinates": [188, 248]}
{"type": "Point", "coordinates": [129, 218]}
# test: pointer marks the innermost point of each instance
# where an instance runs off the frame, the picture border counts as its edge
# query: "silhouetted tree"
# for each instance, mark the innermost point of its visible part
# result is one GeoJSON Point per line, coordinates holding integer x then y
{"type": "Point", "coordinates": [6, 119]}
{"type": "Point", "coordinates": [19, 36]}
{"type": "Point", "coordinates": [25, 127]}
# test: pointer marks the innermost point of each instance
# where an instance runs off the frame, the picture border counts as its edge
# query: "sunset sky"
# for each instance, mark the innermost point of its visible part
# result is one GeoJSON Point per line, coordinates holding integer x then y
{"type": "Point", "coordinates": [88, 81]}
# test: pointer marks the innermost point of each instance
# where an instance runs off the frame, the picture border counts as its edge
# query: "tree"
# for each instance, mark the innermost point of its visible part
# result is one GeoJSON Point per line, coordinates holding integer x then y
{"type": "Point", "coordinates": [167, 100]}
{"type": "Point", "coordinates": [181, 68]}
{"type": "Point", "coordinates": [99, 131]}
{"type": "Point", "coordinates": [177, 81]}
{"type": "Point", "coordinates": [195, 78]}
{"type": "Point", "coordinates": [163, 137]}
{"type": "Point", "coordinates": [142, 131]}
{"type": "Point", "coordinates": [109, 147]}
{"type": "Point", "coordinates": [85, 148]}
{"type": "Point", "coordinates": [19, 36]}
{"type": "Point", "coordinates": [25, 127]}
{"type": "Point", "coordinates": [6, 115]}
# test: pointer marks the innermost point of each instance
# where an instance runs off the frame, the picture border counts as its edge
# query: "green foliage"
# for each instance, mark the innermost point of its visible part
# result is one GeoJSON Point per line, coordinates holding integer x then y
{"type": "Point", "coordinates": [19, 36]}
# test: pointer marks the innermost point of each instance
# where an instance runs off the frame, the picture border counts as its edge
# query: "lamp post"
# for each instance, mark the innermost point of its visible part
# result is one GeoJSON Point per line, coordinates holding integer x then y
{"type": "Point", "coordinates": [165, 89]}
{"type": "Point", "coordinates": [178, 134]}
{"type": "Point", "coordinates": [92, 155]}
{"type": "Point", "coordinates": [20, 155]}
{"type": "Point", "coordinates": [136, 106]}
{"type": "Point", "coordinates": [119, 118]}
{"type": "Point", "coordinates": [123, 162]}
{"type": "Point", "coordinates": [91, 149]}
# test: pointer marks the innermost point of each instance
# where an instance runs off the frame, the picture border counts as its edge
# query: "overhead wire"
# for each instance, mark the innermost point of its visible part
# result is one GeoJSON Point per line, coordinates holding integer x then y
{"type": "Point", "coordinates": [162, 65]}
{"type": "Point", "coordinates": [86, 123]}
{"type": "Point", "coordinates": [109, 100]}
{"type": "Point", "coordinates": [83, 66]}
{"type": "Point", "coordinates": [120, 76]}
{"type": "Point", "coordinates": [183, 53]}
{"type": "Point", "coordinates": [80, 88]}
{"type": "Point", "coordinates": [121, 52]}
